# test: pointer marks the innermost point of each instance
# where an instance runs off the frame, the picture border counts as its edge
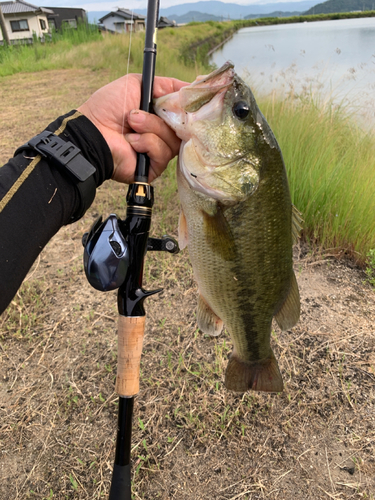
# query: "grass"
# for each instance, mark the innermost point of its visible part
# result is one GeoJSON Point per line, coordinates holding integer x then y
{"type": "Point", "coordinates": [331, 171]}
{"type": "Point", "coordinates": [58, 53]}
{"type": "Point", "coordinates": [22, 318]}
{"type": "Point", "coordinates": [87, 48]}
{"type": "Point", "coordinates": [370, 269]}
{"type": "Point", "coordinates": [309, 18]}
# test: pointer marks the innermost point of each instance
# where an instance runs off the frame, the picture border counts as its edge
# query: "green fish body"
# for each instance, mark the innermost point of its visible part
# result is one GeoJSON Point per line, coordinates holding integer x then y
{"type": "Point", "coordinates": [237, 220]}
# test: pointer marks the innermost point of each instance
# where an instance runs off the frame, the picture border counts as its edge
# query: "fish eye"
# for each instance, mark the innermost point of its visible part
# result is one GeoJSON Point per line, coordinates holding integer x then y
{"type": "Point", "coordinates": [241, 109]}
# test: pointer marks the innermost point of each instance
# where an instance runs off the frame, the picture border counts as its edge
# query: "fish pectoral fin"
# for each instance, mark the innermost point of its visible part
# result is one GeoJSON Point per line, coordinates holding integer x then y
{"type": "Point", "coordinates": [183, 237]}
{"type": "Point", "coordinates": [296, 224]}
{"type": "Point", "coordinates": [288, 315]}
{"type": "Point", "coordinates": [207, 320]}
{"type": "Point", "coordinates": [263, 375]}
{"type": "Point", "coordinates": [219, 234]}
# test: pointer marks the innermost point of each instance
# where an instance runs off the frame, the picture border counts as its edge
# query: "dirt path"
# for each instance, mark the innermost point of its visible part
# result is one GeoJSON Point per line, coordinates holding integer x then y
{"type": "Point", "coordinates": [192, 439]}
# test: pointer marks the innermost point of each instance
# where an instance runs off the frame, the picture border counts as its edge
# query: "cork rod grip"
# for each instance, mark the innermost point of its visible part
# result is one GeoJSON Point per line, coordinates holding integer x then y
{"type": "Point", "coordinates": [130, 341]}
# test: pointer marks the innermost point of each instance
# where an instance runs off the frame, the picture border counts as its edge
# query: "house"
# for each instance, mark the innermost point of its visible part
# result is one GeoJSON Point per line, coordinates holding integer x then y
{"type": "Point", "coordinates": [164, 22]}
{"type": "Point", "coordinates": [123, 20]}
{"type": "Point", "coordinates": [66, 17]}
{"type": "Point", "coordinates": [24, 20]}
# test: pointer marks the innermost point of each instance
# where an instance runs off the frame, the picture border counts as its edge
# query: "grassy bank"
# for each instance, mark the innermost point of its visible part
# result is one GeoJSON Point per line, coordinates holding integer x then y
{"type": "Point", "coordinates": [331, 163]}
{"type": "Point", "coordinates": [51, 54]}
{"type": "Point", "coordinates": [181, 51]}
{"type": "Point", "coordinates": [331, 170]}
{"type": "Point", "coordinates": [334, 16]}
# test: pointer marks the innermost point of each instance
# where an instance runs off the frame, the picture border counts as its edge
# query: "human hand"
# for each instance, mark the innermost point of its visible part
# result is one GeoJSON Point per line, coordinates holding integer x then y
{"type": "Point", "coordinates": [114, 110]}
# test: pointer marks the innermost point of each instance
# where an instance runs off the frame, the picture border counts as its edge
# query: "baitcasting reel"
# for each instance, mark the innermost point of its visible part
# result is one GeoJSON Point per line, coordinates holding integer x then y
{"type": "Point", "coordinates": [106, 254]}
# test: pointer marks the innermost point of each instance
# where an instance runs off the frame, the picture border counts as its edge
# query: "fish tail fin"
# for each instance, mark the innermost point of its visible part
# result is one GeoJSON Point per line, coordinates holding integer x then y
{"type": "Point", "coordinates": [207, 320]}
{"type": "Point", "coordinates": [263, 375]}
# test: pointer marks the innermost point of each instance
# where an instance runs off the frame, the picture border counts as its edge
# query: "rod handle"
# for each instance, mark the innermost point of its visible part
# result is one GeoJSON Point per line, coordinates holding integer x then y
{"type": "Point", "coordinates": [131, 331]}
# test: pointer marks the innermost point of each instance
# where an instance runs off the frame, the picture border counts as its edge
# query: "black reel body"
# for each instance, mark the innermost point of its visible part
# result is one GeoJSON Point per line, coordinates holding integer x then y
{"type": "Point", "coordinates": [106, 254]}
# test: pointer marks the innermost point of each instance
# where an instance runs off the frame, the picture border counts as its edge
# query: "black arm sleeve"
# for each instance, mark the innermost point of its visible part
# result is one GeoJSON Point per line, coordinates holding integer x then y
{"type": "Point", "coordinates": [36, 200]}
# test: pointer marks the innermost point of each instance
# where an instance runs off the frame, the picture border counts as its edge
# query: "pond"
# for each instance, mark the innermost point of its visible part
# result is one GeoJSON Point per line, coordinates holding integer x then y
{"type": "Point", "coordinates": [330, 59]}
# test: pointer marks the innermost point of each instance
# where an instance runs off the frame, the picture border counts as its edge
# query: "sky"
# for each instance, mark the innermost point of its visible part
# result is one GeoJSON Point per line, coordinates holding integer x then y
{"type": "Point", "coordinates": [102, 5]}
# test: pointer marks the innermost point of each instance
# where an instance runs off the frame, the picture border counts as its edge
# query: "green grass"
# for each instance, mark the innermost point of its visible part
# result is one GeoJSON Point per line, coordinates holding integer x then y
{"type": "Point", "coordinates": [87, 48]}
{"type": "Point", "coordinates": [370, 269]}
{"type": "Point", "coordinates": [264, 21]}
{"type": "Point", "coordinates": [58, 53]}
{"type": "Point", "coordinates": [331, 171]}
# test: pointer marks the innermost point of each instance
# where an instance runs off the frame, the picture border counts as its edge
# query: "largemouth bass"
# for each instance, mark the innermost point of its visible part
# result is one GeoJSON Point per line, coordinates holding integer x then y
{"type": "Point", "coordinates": [237, 220]}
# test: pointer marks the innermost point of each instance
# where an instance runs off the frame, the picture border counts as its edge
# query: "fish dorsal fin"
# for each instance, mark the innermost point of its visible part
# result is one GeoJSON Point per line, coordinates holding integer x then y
{"type": "Point", "coordinates": [183, 237]}
{"type": "Point", "coordinates": [219, 234]}
{"type": "Point", "coordinates": [296, 224]}
{"type": "Point", "coordinates": [288, 314]}
{"type": "Point", "coordinates": [207, 320]}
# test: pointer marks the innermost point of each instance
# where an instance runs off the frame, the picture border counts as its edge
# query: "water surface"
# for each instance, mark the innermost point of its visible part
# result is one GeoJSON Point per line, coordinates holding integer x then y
{"type": "Point", "coordinates": [330, 58]}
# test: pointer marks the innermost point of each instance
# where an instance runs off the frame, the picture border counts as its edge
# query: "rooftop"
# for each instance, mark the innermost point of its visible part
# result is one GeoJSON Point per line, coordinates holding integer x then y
{"type": "Point", "coordinates": [19, 6]}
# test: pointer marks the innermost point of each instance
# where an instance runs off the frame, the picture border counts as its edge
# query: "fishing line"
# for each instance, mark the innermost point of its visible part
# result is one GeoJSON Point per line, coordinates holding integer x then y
{"type": "Point", "coordinates": [127, 72]}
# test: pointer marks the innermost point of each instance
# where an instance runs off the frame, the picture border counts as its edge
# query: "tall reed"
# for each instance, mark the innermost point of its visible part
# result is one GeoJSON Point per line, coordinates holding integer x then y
{"type": "Point", "coordinates": [331, 168]}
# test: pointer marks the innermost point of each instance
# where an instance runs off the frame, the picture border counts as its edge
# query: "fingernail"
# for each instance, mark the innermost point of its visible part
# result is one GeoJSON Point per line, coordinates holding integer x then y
{"type": "Point", "coordinates": [137, 116]}
{"type": "Point", "coordinates": [132, 137]}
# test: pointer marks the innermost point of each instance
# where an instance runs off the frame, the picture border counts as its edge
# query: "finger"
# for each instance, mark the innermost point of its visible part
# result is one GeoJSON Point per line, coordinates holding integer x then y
{"type": "Point", "coordinates": [163, 86]}
{"type": "Point", "coordinates": [158, 151]}
{"type": "Point", "coordinates": [124, 162]}
{"type": "Point", "coordinates": [144, 123]}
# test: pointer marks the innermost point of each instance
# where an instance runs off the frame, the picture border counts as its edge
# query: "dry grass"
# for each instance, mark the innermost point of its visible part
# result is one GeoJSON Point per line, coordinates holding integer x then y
{"type": "Point", "coordinates": [192, 439]}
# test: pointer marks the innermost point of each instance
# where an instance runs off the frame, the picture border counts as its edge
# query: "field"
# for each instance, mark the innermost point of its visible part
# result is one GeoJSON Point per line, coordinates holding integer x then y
{"type": "Point", "coordinates": [192, 439]}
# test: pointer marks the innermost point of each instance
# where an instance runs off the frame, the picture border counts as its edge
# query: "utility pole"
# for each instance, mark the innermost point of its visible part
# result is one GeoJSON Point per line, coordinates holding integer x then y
{"type": "Point", "coordinates": [3, 29]}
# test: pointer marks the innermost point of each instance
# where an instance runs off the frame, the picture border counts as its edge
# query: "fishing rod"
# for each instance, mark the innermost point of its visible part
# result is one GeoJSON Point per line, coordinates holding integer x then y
{"type": "Point", "coordinates": [114, 256]}
{"type": "Point", "coordinates": [132, 316]}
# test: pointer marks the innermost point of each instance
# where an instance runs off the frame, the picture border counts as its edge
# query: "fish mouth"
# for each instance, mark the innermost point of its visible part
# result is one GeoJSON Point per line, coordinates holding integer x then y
{"type": "Point", "coordinates": [206, 87]}
{"type": "Point", "coordinates": [215, 75]}
{"type": "Point", "coordinates": [179, 109]}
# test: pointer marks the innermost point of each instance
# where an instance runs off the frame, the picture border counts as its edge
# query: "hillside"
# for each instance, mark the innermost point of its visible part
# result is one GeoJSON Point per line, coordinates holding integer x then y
{"type": "Point", "coordinates": [341, 6]}
{"type": "Point", "coordinates": [218, 9]}
{"type": "Point", "coordinates": [195, 15]}
{"type": "Point", "coordinates": [232, 10]}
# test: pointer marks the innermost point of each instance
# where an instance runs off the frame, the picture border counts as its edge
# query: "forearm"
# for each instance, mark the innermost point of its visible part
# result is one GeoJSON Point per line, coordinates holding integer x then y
{"type": "Point", "coordinates": [37, 199]}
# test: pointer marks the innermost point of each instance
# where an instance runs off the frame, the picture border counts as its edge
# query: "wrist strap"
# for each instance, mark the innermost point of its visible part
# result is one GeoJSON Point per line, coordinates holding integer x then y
{"type": "Point", "coordinates": [68, 158]}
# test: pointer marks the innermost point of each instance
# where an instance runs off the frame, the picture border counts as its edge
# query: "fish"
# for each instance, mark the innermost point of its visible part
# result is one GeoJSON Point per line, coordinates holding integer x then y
{"type": "Point", "coordinates": [237, 221]}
